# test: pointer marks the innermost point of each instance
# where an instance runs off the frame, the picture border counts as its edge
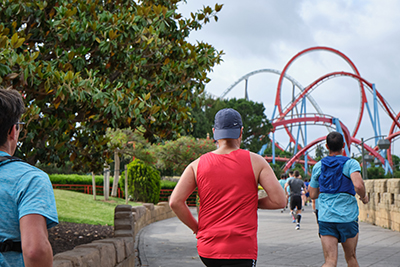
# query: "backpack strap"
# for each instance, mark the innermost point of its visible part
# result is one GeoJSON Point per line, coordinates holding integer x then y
{"type": "Point", "coordinates": [10, 245]}
{"type": "Point", "coordinates": [7, 159]}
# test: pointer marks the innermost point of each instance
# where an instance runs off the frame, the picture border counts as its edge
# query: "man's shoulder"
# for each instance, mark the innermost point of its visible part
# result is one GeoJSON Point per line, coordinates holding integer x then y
{"type": "Point", "coordinates": [318, 164]}
{"type": "Point", "coordinates": [22, 167]}
{"type": "Point", "coordinates": [253, 156]}
{"type": "Point", "coordinates": [351, 166]}
{"type": "Point", "coordinates": [352, 161]}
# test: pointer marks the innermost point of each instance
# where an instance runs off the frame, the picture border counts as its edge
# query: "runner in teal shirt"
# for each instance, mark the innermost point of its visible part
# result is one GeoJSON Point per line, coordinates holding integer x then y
{"type": "Point", "coordinates": [27, 201]}
{"type": "Point", "coordinates": [341, 207]}
{"type": "Point", "coordinates": [24, 190]}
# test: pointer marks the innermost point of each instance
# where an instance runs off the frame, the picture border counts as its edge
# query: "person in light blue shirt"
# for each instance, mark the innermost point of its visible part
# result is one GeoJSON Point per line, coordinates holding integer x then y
{"type": "Point", "coordinates": [27, 201]}
{"type": "Point", "coordinates": [282, 182]}
{"type": "Point", "coordinates": [335, 180]}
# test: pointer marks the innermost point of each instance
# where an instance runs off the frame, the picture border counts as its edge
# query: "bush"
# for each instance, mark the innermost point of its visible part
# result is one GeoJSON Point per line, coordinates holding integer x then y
{"type": "Point", "coordinates": [144, 182]}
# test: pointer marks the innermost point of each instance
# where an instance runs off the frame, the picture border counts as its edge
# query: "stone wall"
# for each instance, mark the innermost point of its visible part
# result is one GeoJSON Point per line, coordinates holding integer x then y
{"type": "Point", "coordinates": [383, 208]}
{"type": "Point", "coordinates": [120, 250]}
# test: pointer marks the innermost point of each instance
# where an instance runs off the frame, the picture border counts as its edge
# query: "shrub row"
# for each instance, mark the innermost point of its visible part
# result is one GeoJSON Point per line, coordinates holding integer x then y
{"type": "Point", "coordinates": [167, 184]}
{"type": "Point", "coordinates": [87, 179]}
{"type": "Point", "coordinates": [77, 179]}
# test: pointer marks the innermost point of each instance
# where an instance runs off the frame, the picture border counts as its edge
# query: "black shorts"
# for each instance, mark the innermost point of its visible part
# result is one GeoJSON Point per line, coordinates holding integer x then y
{"type": "Point", "coordinates": [228, 262]}
{"type": "Point", "coordinates": [295, 201]}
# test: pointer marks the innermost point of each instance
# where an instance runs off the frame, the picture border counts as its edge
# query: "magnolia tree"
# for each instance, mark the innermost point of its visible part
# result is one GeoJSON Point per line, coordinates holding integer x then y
{"type": "Point", "coordinates": [84, 66]}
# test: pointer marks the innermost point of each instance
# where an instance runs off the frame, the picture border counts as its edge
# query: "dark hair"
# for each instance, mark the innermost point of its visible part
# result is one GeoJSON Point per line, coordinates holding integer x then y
{"type": "Point", "coordinates": [334, 140]}
{"type": "Point", "coordinates": [296, 174]}
{"type": "Point", "coordinates": [283, 176]}
{"type": "Point", "coordinates": [290, 172]}
{"type": "Point", "coordinates": [11, 109]}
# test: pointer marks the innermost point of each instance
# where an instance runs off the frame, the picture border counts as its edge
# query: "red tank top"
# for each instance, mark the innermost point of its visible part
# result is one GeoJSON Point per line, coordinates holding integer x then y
{"type": "Point", "coordinates": [228, 206]}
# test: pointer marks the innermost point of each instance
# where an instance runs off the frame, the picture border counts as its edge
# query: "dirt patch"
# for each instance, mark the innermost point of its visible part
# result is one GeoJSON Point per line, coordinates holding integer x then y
{"type": "Point", "coordinates": [65, 236]}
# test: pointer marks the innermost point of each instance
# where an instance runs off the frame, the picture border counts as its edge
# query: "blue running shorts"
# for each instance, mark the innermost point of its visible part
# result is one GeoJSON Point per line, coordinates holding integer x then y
{"type": "Point", "coordinates": [341, 231]}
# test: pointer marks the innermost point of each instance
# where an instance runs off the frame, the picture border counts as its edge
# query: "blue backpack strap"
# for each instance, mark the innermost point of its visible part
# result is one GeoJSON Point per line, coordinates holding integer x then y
{"type": "Point", "coordinates": [332, 180]}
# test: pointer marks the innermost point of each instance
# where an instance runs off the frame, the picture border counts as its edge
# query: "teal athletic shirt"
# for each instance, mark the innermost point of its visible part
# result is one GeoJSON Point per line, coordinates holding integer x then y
{"type": "Point", "coordinates": [282, 183]}
{"type": "Point", "coordinates": [337, 208]}
{"type": "Point", "coordinates": [24, 190]}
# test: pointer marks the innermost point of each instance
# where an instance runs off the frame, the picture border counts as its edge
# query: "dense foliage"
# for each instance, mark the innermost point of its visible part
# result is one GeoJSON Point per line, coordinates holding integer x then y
{"type": "Point", "coordinates": [52, 168]}
{"type": "Point", "coordinates": [83, 66]}
{"type": "Point", "coordinates": [130, 144]}
{"type": "Point", "coordinates": [143, 182]}
{"type": "Point", "coordinates": [256, 126]}
{"type": "Point", "coordinates": [174, 156]}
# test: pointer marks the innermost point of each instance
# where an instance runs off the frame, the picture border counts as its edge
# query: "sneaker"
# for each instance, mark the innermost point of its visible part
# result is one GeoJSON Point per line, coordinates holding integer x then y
{"type": "Point", "coordinates": [297, 227]}
{"type": "Point", "coordinates": [294, 221]}
{"type": "Point", "coordinates": [293, 216]}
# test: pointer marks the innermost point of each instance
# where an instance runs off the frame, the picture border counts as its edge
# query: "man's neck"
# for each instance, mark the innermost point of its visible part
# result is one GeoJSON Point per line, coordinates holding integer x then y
{"type": "Point", "coordinates": [336, 153]}
{"type": "Point", "coordinates": [227, 145]}
{"type": "Point", "coordinates": [6, 149]}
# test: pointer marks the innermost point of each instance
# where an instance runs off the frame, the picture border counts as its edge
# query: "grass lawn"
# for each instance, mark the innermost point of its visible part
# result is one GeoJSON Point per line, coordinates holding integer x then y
{"type": "Point", "coordinates": [81, 208]}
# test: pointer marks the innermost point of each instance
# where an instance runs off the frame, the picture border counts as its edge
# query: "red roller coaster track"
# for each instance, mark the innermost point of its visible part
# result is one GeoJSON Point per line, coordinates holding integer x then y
{"type": "Point", "coordinates": [282, 121]}
{"type": "Point", "coordinates": [286, 118]}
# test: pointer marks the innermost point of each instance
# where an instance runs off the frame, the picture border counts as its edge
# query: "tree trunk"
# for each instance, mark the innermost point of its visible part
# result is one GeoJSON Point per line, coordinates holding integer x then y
{"type": "Point", "coordinates": [94, 186]}
{"type": "Point", "coordinates": [106, 182]}
{"type": "Point", "coordinates": [114, 191]}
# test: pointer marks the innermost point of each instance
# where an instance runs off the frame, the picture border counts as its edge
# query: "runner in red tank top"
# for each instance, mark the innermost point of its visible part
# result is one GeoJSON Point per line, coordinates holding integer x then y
{"type": "Point", "coordinates": [227, 181]}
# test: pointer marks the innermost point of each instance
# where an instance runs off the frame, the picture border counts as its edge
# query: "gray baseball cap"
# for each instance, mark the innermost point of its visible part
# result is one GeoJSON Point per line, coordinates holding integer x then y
{"type": "Point", "coordinates": [227, 124]}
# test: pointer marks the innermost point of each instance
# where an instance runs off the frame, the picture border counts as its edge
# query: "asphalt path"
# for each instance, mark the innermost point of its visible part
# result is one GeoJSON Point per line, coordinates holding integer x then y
{"type": "Point", "coordinates": [170, 243]}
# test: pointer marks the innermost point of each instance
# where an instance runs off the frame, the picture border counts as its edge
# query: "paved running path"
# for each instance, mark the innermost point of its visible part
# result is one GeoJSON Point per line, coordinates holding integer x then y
{"type": "Point", "coordinates": [169, 243]}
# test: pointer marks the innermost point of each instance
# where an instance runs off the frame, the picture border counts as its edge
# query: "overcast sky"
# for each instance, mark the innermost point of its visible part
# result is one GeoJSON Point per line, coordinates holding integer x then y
{"type": "Point", "coordinates": [266, 34]}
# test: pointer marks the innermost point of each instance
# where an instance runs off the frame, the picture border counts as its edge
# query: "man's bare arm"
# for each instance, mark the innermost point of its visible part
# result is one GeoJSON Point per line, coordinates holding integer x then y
{"type": "Point", "coordinates": [177, 202]}
{"type": "Point", "coordinates": [314, 192]}
{"type": "Point", "coordinates": [36, 248]}
{"type": "Point", "coordinates": [359, 186]}
{"type": "Point", "coordinates": [276, 198]}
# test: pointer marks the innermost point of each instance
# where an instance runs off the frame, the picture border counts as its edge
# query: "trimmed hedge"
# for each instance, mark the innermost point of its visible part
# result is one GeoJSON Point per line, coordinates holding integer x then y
{"type": "Point", "coordinates": [168, 184]}
{"type": "Point", "coordinates": [87, 179]}
{"type": "Point", "coordinates": [77, 179]}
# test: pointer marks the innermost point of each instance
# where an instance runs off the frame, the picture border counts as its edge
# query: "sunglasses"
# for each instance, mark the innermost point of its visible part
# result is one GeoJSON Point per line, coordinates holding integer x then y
{"type": "Point", "coordinates": [20, 125]}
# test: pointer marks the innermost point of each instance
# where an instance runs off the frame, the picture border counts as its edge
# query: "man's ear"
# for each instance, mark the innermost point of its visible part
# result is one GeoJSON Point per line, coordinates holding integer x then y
{"type": "Point", "coordinates": [327, 147]}
{"type": "Point", "coordinates": [14, 133]}
{"type": "Point", "coordinates": [241, 133]}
